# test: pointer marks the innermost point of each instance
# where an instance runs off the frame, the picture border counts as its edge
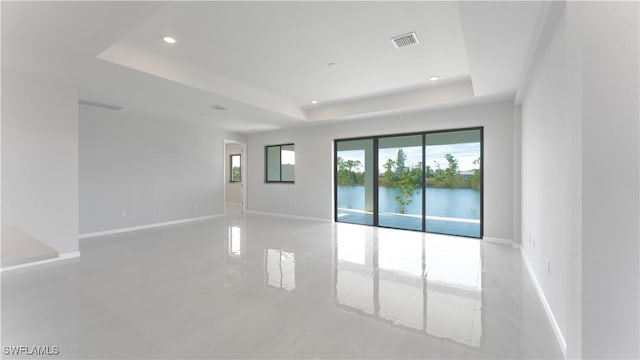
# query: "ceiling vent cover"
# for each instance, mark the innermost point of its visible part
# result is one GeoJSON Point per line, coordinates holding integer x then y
{"type": "Point", "coordinates": [405, 40]}
{"type": "Point", "coordinates": [100, 105]}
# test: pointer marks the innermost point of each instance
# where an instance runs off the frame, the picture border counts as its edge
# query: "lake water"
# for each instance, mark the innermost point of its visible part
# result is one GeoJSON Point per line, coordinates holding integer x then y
{"type": "Point", "coordinates": [455, 203]}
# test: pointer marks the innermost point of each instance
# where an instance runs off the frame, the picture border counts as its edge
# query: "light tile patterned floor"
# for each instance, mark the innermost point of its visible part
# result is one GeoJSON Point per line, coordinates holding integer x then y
{"type": "Point", "coordinates": [270, 287]}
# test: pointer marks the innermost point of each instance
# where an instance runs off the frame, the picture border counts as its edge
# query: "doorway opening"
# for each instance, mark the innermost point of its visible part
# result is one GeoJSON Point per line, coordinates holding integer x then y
{"type": "Point", "coordinates": [234, 181]}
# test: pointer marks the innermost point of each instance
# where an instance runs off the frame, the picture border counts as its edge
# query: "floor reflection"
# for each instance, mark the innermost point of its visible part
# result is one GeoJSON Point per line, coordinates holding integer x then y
{"type": "Point", "coordinates": [235, 241]}
{"type": "Point", "coordinates": [418, 282]}
{"type": "Point", "coordinates": [280, 269]}
{"type": "Point", "coordinates": [235, 261]}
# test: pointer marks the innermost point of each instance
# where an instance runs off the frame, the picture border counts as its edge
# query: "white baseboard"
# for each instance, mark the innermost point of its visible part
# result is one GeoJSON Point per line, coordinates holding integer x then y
{"type": "Point", "coordinates": [148, 226]}
{"type": "Point", "coordinates": [547, 308]}
{"type": "Point", "coordinates": [497, 240]}
{"type": "Point", "coordinates": [287, 216]}
{"type": "Point", "coordinates": [60, 257]}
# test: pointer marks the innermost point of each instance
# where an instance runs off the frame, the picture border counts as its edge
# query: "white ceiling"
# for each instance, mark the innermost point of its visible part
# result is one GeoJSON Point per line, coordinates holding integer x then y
{"type": "Point", "coordinates": [285, 47]}
{"type": "Point", "coordinates": [266, 61]}
{"type": "Point", "coordinates": [499, 37]}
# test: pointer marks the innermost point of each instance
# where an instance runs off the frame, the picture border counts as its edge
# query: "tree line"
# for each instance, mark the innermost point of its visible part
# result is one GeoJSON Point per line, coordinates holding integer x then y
{"type": "Point", "coordinates": [408, 178]}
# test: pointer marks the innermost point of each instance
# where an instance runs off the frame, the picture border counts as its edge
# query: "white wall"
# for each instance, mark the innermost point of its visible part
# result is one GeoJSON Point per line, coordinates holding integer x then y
{"type": "Point", "coordinates": [232, 189]}
{"type": "Point", "coordinates": [611, 186]}
{"type": "Point", "coordinates": [517, 174]}
{"type": "Point", "coordinates": [550, 152]}
{"type": "Point", "coordinates": [580, 182]}
{"type": "Point", "coordinates": [136, 170]}
{"type": "Point", "coordinates": [40, 158]}
{"type": "Point", "coordinates": [312, 193]}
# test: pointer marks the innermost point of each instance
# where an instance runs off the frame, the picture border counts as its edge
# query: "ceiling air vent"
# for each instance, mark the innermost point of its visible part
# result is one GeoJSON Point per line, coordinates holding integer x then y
{"type": "Point", "coordinates": [405, 40]}
{"type": "Point", "coordinates": [100, 105]}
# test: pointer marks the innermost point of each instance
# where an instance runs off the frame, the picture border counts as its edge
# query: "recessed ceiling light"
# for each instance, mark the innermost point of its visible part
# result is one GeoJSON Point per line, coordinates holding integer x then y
{"type": "Point", "coordinates": [434, 77]}
{"type": "Point", "coordinates": [314, 101]}
{"type": "Point", "coordinates": [169, 40]}
{"type": "Point", "coordinates": [332, 64]}
{"type": "Point", "coordinates": [219, 107]}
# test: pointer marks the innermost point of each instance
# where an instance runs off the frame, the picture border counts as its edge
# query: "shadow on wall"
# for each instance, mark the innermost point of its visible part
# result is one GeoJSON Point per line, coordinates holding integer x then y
{"type": "Point", "coordinates": [18, 248]}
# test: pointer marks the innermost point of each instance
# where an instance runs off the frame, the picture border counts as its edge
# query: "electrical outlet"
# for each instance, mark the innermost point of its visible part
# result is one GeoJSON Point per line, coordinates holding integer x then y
{"type": "Point", "coordinates": [123, 213]}
{"type": "Point", "coordinates": [548, 266]}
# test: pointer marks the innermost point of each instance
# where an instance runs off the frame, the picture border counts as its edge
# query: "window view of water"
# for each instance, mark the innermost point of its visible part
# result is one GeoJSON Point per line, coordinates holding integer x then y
{"type": "Point", "coordinates": [446, 165]}
{"type": "Point", "coordinates": [438, 201]}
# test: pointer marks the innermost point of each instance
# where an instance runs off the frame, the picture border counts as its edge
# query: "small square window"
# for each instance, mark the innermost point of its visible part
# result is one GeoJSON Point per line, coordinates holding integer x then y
{"type": "Point", "coordinates": [280, 163]}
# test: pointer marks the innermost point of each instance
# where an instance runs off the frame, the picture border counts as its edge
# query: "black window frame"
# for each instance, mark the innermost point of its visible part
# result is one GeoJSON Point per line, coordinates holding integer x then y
{"type": "Point", "coordinates": [424, 134]}
{"type": "Point", "coordinates": [231, 168]}
{"type": "Point", "coordinates": [266, 164]}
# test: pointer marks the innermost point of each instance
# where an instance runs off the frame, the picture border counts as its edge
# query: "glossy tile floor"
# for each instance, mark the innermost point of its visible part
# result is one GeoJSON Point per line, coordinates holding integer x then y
{"type": "Point", "coordinates": [258, 286]}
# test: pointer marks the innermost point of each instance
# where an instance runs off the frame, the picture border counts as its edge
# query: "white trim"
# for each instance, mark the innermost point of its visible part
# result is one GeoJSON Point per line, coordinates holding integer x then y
{"type": "Point", "coordinates": [60, 257]}
{"type": "Point", "coordinates": [497, 240]}
{"type": "Point", "coordinates": [287, 216]}
{"type": "Point", "coordinates": [148, 226]}
{"type": "Point", "coordinates": [547, 308]}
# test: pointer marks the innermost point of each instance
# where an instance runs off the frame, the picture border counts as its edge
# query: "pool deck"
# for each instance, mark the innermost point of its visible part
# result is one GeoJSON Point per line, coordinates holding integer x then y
{"type": "Point", "coordinates": [435, 224]}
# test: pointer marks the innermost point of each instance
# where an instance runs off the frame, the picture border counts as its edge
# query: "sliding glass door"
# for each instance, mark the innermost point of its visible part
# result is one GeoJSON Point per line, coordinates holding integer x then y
{"type": "Point", "coordinates": [354, 181]}
{"type": "Point", "coordinates": [453, 182]}
{"type": "Point", "coordinates": [429, 181]}
{"type": "Point", "coordinates": [400, 182]}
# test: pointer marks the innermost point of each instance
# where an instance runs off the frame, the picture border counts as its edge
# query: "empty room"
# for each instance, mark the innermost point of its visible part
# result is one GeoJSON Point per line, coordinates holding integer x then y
{"type": "Point", "coordinates": [320, 179]}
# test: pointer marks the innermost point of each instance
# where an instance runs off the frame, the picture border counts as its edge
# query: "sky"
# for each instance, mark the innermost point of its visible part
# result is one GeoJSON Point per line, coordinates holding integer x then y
{"type": "Point", "coordinates": [465, 153]}
{"type": "Point", "coordinates": [288, 157]}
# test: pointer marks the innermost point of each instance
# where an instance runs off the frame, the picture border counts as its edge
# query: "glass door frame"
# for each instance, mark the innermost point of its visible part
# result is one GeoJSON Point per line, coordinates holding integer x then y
{"type": "Point", "coordinates": [376, 149]}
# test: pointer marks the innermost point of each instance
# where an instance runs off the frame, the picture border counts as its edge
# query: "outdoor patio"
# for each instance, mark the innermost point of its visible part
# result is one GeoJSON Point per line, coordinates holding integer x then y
{"type": "Point", "coordinates": [435, 224]}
